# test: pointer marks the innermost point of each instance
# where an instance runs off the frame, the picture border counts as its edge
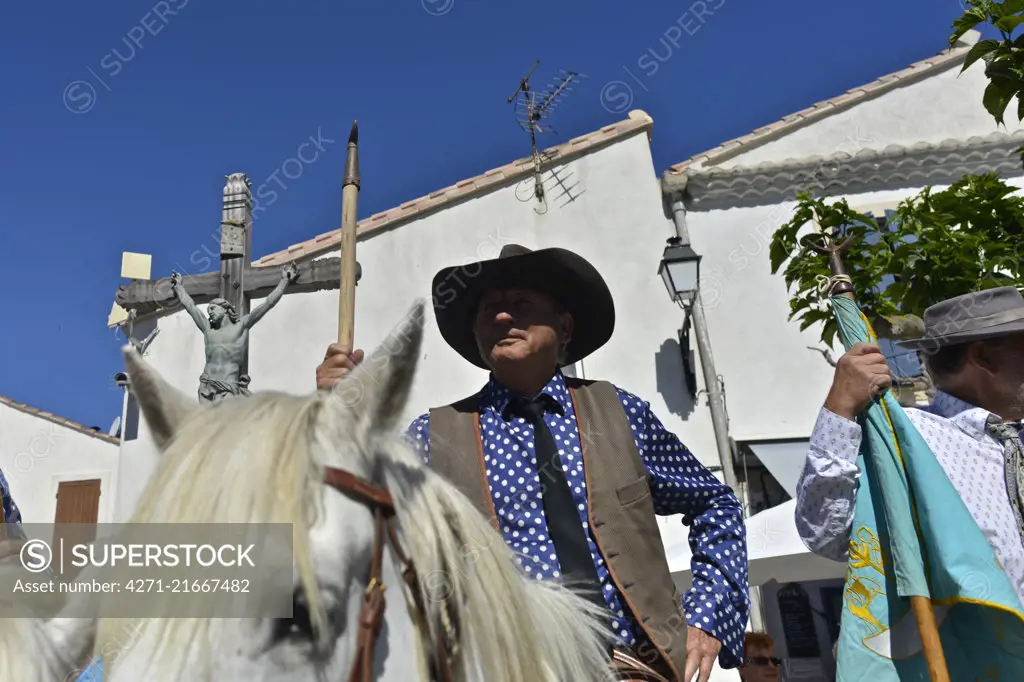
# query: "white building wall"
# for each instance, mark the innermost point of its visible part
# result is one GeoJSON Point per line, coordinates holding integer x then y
{"type": "Point", "coordinates": [774, 384]}
{"type": "Point", "coordinates": [36, 454]}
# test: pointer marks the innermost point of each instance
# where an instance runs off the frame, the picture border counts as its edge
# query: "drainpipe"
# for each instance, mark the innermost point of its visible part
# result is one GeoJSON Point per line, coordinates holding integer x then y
{"type": "Point", "coordinates": [716, 395]}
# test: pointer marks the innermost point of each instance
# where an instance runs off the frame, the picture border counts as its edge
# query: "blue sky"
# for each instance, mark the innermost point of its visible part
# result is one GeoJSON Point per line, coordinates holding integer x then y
{"type": "Point", "coordinates": [120, 120]}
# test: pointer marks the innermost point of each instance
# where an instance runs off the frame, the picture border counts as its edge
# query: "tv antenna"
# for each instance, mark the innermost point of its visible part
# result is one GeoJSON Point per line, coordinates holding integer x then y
{"type": "Point", "coordinates": [534, 109]}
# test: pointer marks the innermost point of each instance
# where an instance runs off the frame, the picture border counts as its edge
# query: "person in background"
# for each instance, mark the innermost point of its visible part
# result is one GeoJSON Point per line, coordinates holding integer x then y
{"type": "Point", "coordinates": [760, 664]}
{"type": "Point", "coordinates": [974, 351]}
{"type": "Point", "coordinates": [12, 538]}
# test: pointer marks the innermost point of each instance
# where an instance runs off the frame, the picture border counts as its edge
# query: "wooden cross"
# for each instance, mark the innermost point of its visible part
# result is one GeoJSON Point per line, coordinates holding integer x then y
{"type": "Point", "coordinates": [236, 281]}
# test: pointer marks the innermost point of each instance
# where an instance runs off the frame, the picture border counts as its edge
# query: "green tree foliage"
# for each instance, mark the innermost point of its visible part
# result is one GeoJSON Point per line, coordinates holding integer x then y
{"type": "Point", "coordinates": [938, 245]}
{"type": "Point", "coordinates": [1004, 59]}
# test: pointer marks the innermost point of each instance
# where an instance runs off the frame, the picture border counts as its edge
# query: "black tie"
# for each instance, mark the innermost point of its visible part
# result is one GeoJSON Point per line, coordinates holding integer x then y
{"type": "Point", "coordinates": [564, 526]}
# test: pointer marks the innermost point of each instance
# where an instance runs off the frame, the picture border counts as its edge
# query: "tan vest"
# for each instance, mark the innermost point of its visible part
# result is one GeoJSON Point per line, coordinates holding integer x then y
{"type": "Point", "coordinates": [620, 508]}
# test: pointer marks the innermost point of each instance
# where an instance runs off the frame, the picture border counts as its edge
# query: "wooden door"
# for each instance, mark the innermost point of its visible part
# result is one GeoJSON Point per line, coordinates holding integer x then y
{"type": "Point", "coordinates": [78, 506]}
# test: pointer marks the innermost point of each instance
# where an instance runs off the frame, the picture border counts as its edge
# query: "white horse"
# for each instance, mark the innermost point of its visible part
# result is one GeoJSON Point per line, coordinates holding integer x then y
{"type": "Point", "coordinates": [262, 459]}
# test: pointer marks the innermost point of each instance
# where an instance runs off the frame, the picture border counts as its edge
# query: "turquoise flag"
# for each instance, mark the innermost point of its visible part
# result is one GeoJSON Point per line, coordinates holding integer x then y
{"type": "Point", "coordinates": [913, 536]}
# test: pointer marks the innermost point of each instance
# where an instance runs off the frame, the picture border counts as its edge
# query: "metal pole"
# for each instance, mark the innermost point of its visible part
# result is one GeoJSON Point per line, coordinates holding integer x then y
{"type": "Point", "coordinates": [716, 402]}
{"type": "Point", "coordinates": [716, 392]}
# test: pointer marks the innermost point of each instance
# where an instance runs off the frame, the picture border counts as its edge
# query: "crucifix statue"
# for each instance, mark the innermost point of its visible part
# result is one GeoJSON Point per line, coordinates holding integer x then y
{"type": "Point", "coordinates": [228, 293]}
{"type": "Point", "coordinates": [226, 337]}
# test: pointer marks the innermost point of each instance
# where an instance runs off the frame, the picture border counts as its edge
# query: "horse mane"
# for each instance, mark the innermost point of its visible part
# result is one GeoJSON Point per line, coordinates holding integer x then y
{"type": "Point", "coordinates": [242, 461]}
{"type": "Point", "coordinates": [511, 627]}
{"type": "Point", "coordinates": [252, 460]}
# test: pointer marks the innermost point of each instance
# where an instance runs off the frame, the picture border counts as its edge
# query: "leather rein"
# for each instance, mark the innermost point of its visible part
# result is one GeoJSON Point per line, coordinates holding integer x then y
{"type": "Point", "coordinates": [371, 616]}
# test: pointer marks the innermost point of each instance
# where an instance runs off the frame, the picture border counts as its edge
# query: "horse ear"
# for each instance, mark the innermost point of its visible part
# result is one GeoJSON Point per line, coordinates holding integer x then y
{"type": "Point", "coordinates": [377, 391]}
{"type": "Point", "coordinates": [163, 406]}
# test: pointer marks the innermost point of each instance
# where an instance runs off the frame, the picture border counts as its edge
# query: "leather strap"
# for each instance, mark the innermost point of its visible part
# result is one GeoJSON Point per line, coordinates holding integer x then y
{"type": "Point", "coordinates": [353, 485]}
{"type": "Point", "coordinates": [371, 615]}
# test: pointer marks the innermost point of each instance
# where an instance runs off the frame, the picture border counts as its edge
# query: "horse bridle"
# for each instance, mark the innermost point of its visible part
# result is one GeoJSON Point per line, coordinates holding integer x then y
{"type": "Point", "coordinates": [371, 616]}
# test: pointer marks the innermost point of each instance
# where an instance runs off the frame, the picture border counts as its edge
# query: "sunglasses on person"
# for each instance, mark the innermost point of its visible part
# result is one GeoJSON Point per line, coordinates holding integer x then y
{"type": "Point", "coordinates": [764, 660]}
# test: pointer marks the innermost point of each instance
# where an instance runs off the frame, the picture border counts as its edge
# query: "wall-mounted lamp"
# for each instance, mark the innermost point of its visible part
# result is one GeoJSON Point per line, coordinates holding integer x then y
{"type": "Point", "coordinates": [680, 270]}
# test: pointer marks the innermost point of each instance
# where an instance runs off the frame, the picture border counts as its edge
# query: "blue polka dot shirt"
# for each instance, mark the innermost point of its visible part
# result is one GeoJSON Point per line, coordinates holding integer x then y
{"type": "Point", "coordinates": [718, 603]}
{"type": "Point", "coordinates": [11, 512]}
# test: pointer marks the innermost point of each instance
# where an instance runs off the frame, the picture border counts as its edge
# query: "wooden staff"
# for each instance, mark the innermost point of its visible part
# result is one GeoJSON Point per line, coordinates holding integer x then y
{"type": "Point", "coordinates": [921, 606]}
{"type": "Point", "coordinates": [349, 202]}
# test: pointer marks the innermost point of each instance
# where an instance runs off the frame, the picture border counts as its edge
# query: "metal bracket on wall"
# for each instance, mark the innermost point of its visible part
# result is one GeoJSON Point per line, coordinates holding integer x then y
{"type": "Point", "coordinates": [689, 362]}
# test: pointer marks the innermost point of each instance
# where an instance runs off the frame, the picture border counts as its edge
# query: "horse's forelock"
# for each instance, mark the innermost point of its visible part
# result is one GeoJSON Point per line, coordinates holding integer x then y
{"type": "Point", "coordinates": [245, 460]}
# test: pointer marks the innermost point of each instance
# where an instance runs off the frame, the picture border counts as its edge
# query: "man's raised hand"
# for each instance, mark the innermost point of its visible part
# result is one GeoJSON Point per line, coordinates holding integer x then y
{"type": "Point", "coordinates": [861, 374]}
{"type": "Point", "coordinates": [338, 362]}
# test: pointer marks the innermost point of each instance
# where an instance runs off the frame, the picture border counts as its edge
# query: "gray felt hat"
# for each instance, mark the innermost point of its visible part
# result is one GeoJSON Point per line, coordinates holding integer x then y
{"type": "Point", "coordinates": [975, 316]}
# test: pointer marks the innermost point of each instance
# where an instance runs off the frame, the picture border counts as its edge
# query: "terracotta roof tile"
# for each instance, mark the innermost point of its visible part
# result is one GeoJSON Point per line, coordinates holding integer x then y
{"type": "Point", "coordinates": [409, 210]}
{"type": "Point", "coordinates": [50, 417]}
{"type": "Point", "coordinates": [848, 97]}
{"type": "Point", "coordinates": [946, 59]}
{"type": "Point", "coordinates": [488, 180]}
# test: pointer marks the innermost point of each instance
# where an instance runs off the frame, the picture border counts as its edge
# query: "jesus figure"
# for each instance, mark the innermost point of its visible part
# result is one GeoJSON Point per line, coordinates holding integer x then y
{"type": "Point", "coordinates": [226, 337]}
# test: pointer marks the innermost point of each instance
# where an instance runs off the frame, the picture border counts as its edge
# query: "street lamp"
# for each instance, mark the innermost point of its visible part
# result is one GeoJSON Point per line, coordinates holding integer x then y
{"type": "Point", "coordinates": [680, 270]}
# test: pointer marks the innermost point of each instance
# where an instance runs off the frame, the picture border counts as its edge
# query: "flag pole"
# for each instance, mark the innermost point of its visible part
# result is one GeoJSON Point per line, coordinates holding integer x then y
{"type": "Point", "coordinates": [840, 285]}
{"type": "Point", "coordinates": [349, 202]}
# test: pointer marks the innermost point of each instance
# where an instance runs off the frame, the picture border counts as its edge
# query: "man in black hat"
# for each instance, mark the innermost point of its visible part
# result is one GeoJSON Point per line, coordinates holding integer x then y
{"type": "Point", "coordinates": [571, 472]}
{"type": "Point", "coordinates": [974, 351]}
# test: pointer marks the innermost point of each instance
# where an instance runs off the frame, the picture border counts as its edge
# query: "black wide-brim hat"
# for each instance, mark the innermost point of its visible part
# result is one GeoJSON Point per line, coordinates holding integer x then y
{"type": "Point", "coordinates": [560, 273]}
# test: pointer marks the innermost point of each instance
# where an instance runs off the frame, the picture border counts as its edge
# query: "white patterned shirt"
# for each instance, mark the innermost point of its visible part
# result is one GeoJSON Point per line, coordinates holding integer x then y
{"type": "Point", "coordinates": [972, 459]}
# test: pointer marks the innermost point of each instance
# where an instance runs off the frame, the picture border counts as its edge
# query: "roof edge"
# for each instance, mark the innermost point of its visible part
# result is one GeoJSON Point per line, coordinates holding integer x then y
{"type": "Point", "coordinates": [914, 73]}
{"type": "Point", "coordinates": [468, 188]}
{"type": "Point", "coordinates": [895, 166]}
{"type": "Point", "coordinates": [61, 421]}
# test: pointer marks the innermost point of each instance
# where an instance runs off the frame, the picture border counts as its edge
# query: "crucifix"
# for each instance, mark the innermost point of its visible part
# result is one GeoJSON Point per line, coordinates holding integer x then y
{"type": "Point", "coordinates": [229, 292]}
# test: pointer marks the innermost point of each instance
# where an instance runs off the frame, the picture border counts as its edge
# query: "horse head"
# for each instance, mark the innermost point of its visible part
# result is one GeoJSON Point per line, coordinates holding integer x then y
{"type": "Point", "coordinates": [333, 465]}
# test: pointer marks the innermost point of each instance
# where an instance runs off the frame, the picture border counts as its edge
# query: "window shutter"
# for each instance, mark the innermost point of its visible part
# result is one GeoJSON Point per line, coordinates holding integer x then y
{"type": "Point", "coordinates": [78, 505]}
